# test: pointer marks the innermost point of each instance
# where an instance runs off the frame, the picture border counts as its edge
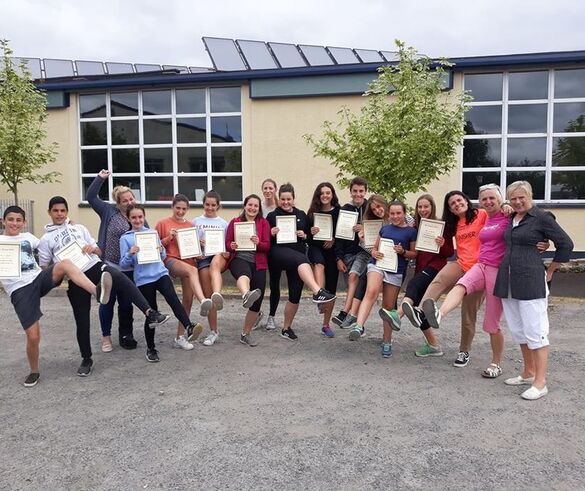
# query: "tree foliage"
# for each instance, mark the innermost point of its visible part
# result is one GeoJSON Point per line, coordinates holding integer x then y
{"type": "Point", "coordinates": [23, 146]}
{"type": "Point", "coordinates": [401, 143]}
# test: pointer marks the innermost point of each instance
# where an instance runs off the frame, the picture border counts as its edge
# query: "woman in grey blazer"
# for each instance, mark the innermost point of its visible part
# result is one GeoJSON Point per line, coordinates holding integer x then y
{"type": "Point", "coordinates": [521, 283]}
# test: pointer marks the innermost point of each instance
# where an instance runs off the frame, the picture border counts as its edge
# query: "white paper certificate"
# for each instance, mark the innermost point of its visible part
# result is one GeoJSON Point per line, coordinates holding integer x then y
{"type": "Point", "coordinates": [325, 223]}
{"type": "Point", "coordinates": [390, 260]}
{"type": "Point", "coordinates": [345, 223]}
{"type": "Point", "coordinates": [428, 231]}
{"type": "Point", "coordinates": [188, 242]}
{"type": "Point", "coordinates": [9, 260]}
{"type": "Point", "coordinates": [148, 244]}
{"type": "Point", "coordinates": [242, 233]}
{"type": "Point", "coordinates": [214, 242]}
{"type": "Point", "coordinates": [287, 225]}
{"type": "Point", "coordinates": [371, 232]}
{"type": "Point", "coordinates": [73, 252]}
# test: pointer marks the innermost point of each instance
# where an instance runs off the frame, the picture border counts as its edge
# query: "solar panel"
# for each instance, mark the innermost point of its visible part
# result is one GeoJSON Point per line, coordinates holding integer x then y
{"type": "Point", "coordinates": [89, 67]}
{"type": "Point", "coordinates": [257, 54]}
{"type": "Point", "coordinates": [199, 69]}
{"type": "Point", "coordinates": [369, 55]}
{"type": "Point", "coordinates": [182, 69]}
{"type": "Point", "coordinates": [390, 55]}
{"type": "Point", "coordinates": [343, 56]}
{"type": "Point", "coordinates": [146, 67]}
{"type": "Point", "coordinates": [58, 68]}
{"type": "Point", "coordinates": [224, 54]}
{"type": "Point", "coordinates": [33, 65]}
{"type": "Point", "coordinates": [316, 55]}
{"type": "Point", "coordinates": [288, 55]}
{"type": "Point", "coordinates": [115, 68]}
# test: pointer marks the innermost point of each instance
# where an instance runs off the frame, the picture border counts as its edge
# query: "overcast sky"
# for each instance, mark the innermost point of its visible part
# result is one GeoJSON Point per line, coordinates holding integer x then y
{"type": "Point", "coordinates": [170, 31]}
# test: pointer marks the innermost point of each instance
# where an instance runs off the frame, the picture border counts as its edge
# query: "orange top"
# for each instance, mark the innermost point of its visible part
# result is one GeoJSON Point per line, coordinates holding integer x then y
{"type": "Point", "coordinates": [163, 227]}
{"type": "Point", "coordinates": [467, 240]}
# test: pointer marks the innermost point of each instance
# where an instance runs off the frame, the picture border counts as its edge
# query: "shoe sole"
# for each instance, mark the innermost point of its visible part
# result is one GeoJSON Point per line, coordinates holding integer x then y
{"type": "Point", "coordinates": [330, 336]}
{"type": "Point", "coordinates": [248, 344]}
{"type": "Point", "coordinates": [83, 374]}
{"type": "Point", "coordinates": [152, 325]}
{"type": "Point", "coordinates": [428, 307]}
{"type": "Point", "coordinates": [105, 288]}
{"type": "Point", "coordinates": [217, 301]}
{"type": "Point", "coordinates": [354, 335]}
{"type": "Point", "coordinates": [151, 361]}
{"type": "Point", "coordinates": [197, 330]}
{"type": "Point", "coordinates": [541, 394]}
{"type": "Point", "coordinates": [428, 354]}
{"type": "Point", "coordinates": [206, 343]}
{"type": "Point", "coordinates": [32, 384]}
{"type": "Point", "coordinates": [252, 297]}
{"type": "Point", "coordinates": [460, 365]}
{"type": "Point", "coordinates": [516, 383]}
{"type": "Point", "coordinates": [388, 318]}
{"type": "Point", "coordinates": [283, 336]}
{"type": "Point", "coordinates": [325, 301]}
{"type": "Point", "coordinates": [107, 348]}
{"type": "Point", "coordinates": [337, 321]}
{"type": "Point", "coordinates": [206, 306]}
{"type": "Point", "coordinates": [409, 313]}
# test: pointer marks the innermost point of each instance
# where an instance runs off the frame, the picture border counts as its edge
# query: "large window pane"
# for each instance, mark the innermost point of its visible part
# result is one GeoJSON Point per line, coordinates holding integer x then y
{"type": "Point", "coordinates": [157, 131]}
{"type": "Point", "coordinates": [92, 106]}
{"type": "Point", "coordinates": [473, 180]}
{"type": "Point", "coordinates": [229, 187]}
{"type": "Point", "coordinates": [569, 117]}
{"type": "Point", "coordinates": [159, 188]}
{"type": "Point", "coordinates": [192, 159]}
{"type": "Point", "coordinates": [190, 101]}
{"type": "Point", "coordinates": [482, 120]}
{"type": "Point", "coordinates": [125, 132]}
{"type": "Point", "coordinates": [191, 130]}
{"type": "Point", "coordinates": [568, 185]}
{"type": "Point", "coordinates": [225, 100]}
{"type": "Point", "coordinates": [484, 86]}
{"type": "Point", "coordinates": [132, 182]}
{"type": "Point", "coordinates": [226, 159]}
{"type": "Point", "coordinates": [124, 104]}
{"type": "Point", "coordinates": [93, 161]}
{"type": "Point", "coordinates": [103, 192]}
{"type": "Point", "coordinates": [125, 160]}
{"type": "Point", "coordinates": [156, 102]}
{"type": "Point", "coordinates": [568, 151]}
{"type": "Point", "coordinates": [570, 83]}
{"type": "Point", "coordinates": [226, 129]}
{"type": "Point", "coordinates": [529, 118]}
{"type": "Point", "coordinates": [482, 153]}
{"type": "Point", "coordinates": [193, 187]}
{"type": "Point", "coordinates": [536, 180]}
{"type": "Point", "coordinates": [93, 133]}
{"type": "Point", "coordinates": [526, 152]}
{"type": "Point", "coordinates": [158, 160]}
{"type": "Point", "coordinates": [528, 85]}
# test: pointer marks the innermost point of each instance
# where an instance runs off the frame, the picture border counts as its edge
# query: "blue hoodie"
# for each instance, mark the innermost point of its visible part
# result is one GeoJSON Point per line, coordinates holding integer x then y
{"type": "Point", "coordinates": [143, 273]}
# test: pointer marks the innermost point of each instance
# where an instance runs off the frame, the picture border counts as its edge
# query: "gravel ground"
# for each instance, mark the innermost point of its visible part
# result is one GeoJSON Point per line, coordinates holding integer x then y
{"type": "Point", "coordinates": [316, 414]}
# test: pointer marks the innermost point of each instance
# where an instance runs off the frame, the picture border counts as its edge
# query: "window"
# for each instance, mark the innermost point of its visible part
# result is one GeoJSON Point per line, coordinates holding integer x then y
{"type": "Point", "coordinates": [163, 142]}
{"type": "Point", "coordinates": [526, 126]}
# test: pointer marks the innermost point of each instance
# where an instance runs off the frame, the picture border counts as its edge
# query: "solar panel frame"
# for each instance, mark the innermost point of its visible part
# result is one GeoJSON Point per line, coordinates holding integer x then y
{"type": "Point", "coordinates": [119, 68]}
{"type": "Point", "coordinates": [281, 50]}
{"type": "Point", "coordinates": [369, 55]}
{"type": "Point", "coordinates": [337, 53]}
{"type": "Point", "coordinates": [56, 68]}
{"type": "Point", "coordinates": [84, 67]}
{"type": "Point", "coordinates": [267, 62]}
{"type": "Point", "coordinates": [316, 55]}
{"type": "Point", "coordinates": [233, 61]}
{"type": "Point", "coordinates": [33, 65]}
{"type": "Point", "coordinates": [147, 67]}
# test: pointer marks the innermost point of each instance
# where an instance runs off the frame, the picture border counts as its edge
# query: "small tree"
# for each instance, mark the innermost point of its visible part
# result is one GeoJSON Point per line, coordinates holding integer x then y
{"type": "Point", "coordinates": [402, 145]}
{"type": "Point", "coordinates": [23, 147]}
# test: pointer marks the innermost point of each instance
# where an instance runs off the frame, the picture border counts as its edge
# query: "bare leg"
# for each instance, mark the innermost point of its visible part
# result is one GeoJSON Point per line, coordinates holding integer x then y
{"type": "Point", "coordinates": [497, 342]}
{"type": "Point", "coordinates": [182, 270]}
{"type": "Point", "coordinates": [33, 341]}
{"type": "Point", "coordinates": [430, 337]}
{"type": "Point", "coordinates": [249, 321]}
{"type": "Point", "coordinates": [328, 312]}
{"type": "Point", "coordinates": [216, 268]}
{"type": "Point", "coordinates": [352, 284]}
{"type": "Point", "coordinates": [306, 274]}
{"type": "Point", "coordinates": [372, 291]}
{"type": "Point", "coordinates": [205, 279]}
{"type": "Point", "coordinates": [290, 310]}
{"type": "Point", "coordinates": [389, 296]}
{"type": "Point", "coordinates": [67, 268]}
{"type": "Point", "coordinates": [243, 284]}
{"type": "Point", "coordinates": [453, 299]}
{"type": "Point", "coordinates": [529, 364]}
{"type": "Point", "coordinates": [187, 302]}
{"type": "Point", "coordinates": [319, 274]}
{"type": "Point", "coordinates": [540, 357]}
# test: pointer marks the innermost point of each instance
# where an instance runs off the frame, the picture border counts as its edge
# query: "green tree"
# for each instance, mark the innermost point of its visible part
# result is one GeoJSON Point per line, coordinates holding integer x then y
{"type": "Point", "coordinates": [23, 146]}
{"type": "Point", "coordinates": [401, 143]}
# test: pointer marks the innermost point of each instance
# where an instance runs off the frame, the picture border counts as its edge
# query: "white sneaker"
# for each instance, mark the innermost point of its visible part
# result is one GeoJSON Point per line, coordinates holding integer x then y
{"type": "Point", "coordinates": [182, 343]}
{"type": "Point", "coordinates": [270, 324]}
{"type": "Point", "coordinates": [533, 393]}
{"type": "Point", "coordinates": [205, 307]}
{"type": "Point", "coordinates": [211, 339]}
{"type": "Point", "coordinates": [217, 301]}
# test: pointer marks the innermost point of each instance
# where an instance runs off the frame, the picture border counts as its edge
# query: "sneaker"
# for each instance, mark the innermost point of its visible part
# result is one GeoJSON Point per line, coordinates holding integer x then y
{"type": "Point", "coordinates": [248, 339]}
{"type": "Point", "coordinates": [533, 393]}
{"type": "Point", "coordinates": [103, 289]}
{"type": "Point", "coordinates": [390, 316]}
{"type": "Point", "coordinates": [323, 296]}
{"type": "Point", "coordinates": [413, 314]}
{"type": "Point", "coordinates": [107, 344]}
{"type": "Point", "coordinates": [519, 380]}
{"type": "Point", "coordinates": [348, 322]}
{"type": "Point", "coordinates": [462, 359]}
{"type": "Point", "coordinates": [182, 343]}
{"type": "Point", "coordinates": [128, 342]}
{"type": "Point", "coordinates": [32, 379]}
{"type": "Point", "coordinates": [270, 324]}
{"type": "Point", "coordinates": [339, 318]}
{"type": "Point", "coordinates": [217, 301]}
{"type": "Point", "coordinates": [250, 297]}
{"type": "Point", "coordinates": [432, 313]}
{"type": "Point", "coordinates": [155, 318]}
{"type": "Point", "coordinates": [85, 368]}
{"type": "Point", "coordinates": [152, 356]}
{"type": "Point", "coordinates": [386, 350]}
{"type": "Point", "coordinates": [205, 307]}
{"type": "Point", "coordinates": [258, 321]}
{"type": "Point", "coordinates": [428, 350]}
{"type": "Point", "coordinates": [356, 332]}
{"type": "Point", "coordinates": [194, 331]}
{"type": "Point", "coordinates": [327, 332]}
{"type": "Point", "coordinates": [211, 339]}
{"type": "Point", "coordinates": [288, 334]}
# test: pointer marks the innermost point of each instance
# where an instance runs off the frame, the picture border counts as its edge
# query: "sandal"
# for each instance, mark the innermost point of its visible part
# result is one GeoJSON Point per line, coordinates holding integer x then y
{"type": "Point", "coordinates": [492, 371]}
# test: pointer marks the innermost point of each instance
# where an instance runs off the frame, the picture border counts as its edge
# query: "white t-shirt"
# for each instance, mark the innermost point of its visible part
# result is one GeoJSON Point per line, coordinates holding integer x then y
{"type": "Point", "coordinates": [29, 269]}
{"type": "Point", "coordinates": [204, 223]}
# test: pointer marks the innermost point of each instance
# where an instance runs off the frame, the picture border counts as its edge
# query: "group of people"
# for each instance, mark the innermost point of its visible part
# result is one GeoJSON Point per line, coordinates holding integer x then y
{"type": "Point", "coordinates": [497, 258]}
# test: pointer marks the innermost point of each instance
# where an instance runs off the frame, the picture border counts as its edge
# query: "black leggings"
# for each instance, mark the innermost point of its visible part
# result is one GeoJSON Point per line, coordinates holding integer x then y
{"type": "Point", "coordinates": [239, 267]}
{"type": "Point", "coordinates": [285, 259]}
{"type": "Point", "coordinates": [165, 286]}
{"type": "Point", "coordinates": [417, 287]}
{"type": "Point", "coordinates": [326, 257]}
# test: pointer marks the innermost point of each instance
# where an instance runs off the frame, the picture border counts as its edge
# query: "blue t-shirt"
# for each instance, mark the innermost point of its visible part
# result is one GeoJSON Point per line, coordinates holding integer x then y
{"type": "Point", "coordinates": [400, 235]}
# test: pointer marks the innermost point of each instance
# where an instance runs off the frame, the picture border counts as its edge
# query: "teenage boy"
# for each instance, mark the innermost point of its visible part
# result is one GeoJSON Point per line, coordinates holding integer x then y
{"type": "Point", "coordinates": [33, 283]}
{"type": "Point", "coordinates": [61, 232]}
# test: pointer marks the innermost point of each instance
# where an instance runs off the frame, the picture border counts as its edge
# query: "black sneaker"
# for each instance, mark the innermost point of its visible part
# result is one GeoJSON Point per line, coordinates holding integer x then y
{"type": "Point", "coordinates": [413, 314]}
{"type": "Point", "coordinates": [339, 318]}
{"type": "Point", "coordinates": [128, 342]}
{"type": "Point", "coordinates": [323, 296]}
{"type": "Point", "coordinates": [32, 379]}
{"type": "Point", "coordinates": [85, 368]}
{"type": "Point", "coordinates": [462, 359]}
{"type": "Point", "coordinates": [194, 331]}
{"type": "Point", "coordinates": [103, 289]}
{"type": "Point", "coordinates": [152, 356]}
{"type": "Point", "coordinates": [155, 318]}
{"type": "Point", "coordinates": [288, 334]}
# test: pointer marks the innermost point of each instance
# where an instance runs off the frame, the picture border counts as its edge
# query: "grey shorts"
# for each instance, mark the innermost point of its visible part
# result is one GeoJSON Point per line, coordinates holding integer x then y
{"type": "Point", "coordinates": [390, 278]}
{"type": "Point", "coordinates": [357, 263]}
{"type": "Point", "coordinates": [27, 300]}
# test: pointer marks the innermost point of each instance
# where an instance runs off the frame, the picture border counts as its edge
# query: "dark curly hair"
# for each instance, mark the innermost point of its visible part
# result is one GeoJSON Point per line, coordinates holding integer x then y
{"type": "Point", "coordinates": [450, 218]}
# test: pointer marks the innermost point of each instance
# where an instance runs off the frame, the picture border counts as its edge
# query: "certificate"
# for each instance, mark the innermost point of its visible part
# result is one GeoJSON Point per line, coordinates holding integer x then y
{"type": "Point", "coordinates": [242, 233]}
{"type": "Point", "coordinates": [390, 260]}
{"type": "Point", "coordinates": [73, 252]}
{"type": "Point", "coordinates": [371, 232]}
{"type": "Point", "coordinates": [149, 249]}
{"type": "Point", "coordinates": [188, 242]}
{"type": "Point", "coordinates": [345, 223]}
{"type": "Point", "coordinates": [325, 223]}
{"type": "Point", "coordinates": [428, 231]}
{"type": "Point", "coordinates": [9, 260]}
{"type": "Point", "coordinates": [287, 225]}
{"type": "Point", "coordinates": [214, 242]}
